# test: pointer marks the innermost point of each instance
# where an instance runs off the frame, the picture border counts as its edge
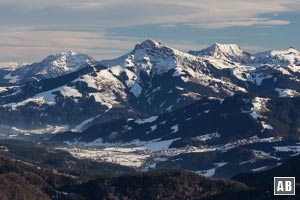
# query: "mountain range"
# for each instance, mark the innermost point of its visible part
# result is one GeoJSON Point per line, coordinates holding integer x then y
{"type": "Point", "coordinates": [69, 91]}
{"type": "Point", "coordinates": [222, 109]}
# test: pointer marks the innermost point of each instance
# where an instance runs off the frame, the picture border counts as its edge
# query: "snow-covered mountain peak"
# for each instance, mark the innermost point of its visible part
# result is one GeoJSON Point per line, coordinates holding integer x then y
{"type": "Point", "coordinates": [51, 67]}
{"type": "Point", "coordinates": [289, 51]}
{"type": "Point", "coordinates": [225, 52]}
{"type": "Point", "coordinates": [218, 47]}
{"type": "Point", "coordinates": [70, 52]}
{"type": "Point", "coordinates": [292, 50]}
{"type": "Point", "coordinates": [64, 53]}
{"type": "Point", "coordinates": [150, 56]}
{"type": "Point", "coordinates": [228, 48]}
{"type": "Point", "coordinates": [154, 48]}
{"type": "Point", "coordinates": [148, 44]}
{"type": "Point", "coordinates": [153, 58]}
{"type": "Point", "coordinates": [67, 60]}
{"type": "Point", "coordinates": [149, 59]}
{"type": "Point", "coordinates": [273, 53]}
{"type": "Point", "coordinates": [284, 58]}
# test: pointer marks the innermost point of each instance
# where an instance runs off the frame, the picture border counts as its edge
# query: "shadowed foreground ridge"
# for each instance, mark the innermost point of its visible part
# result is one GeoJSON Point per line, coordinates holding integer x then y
{"type": "Point", "coordinates": [20, 180]}
{"type": "Point", "coordinates": [24, 180]}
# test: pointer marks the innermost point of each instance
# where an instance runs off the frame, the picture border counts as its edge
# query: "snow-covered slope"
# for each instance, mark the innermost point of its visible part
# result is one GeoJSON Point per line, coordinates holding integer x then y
{"type": "Point", "coordinates": [151, 79]}
{"type": "Point", "coordinates": [225, 52]}
{"type": "Point", "coordinates": [51, 67]}
{"type": "Point", "coordinates": [288, 60]}
{"type": "Point", "coordinates": [150, 65]}
{"type": "Point", "coordinates": [146, 105]}
{"type": "Point", "coordinates": [242, 131]}
{"type": "Point", "coordinates": [149, 58]}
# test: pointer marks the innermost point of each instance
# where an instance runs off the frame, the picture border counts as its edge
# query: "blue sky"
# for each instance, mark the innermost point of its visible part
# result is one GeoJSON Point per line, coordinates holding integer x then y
{"type": "Point", "coordinates": [32, 29]}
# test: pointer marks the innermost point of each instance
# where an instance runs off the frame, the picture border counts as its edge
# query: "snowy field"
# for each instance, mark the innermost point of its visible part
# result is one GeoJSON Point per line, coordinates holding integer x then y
{"type": "Point", "coordinates": [145, 155]}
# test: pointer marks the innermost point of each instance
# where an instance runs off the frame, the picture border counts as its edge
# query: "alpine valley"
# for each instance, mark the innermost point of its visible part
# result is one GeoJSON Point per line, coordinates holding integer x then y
{"type": "Point", "coordinates": [155, 112]}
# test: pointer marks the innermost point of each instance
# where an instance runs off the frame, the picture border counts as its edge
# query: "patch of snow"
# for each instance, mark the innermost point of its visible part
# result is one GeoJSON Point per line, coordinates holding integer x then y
{"type": "Point", "coordinates": [47, 97]}
{"type": "Point", "coordinates": [113, 135]}
{"type": "Point", "coordinates": [193, 95]}
{"type": "Point", "coordinates": [4, 89]}
{"type": "Point", "coordinates": [91, 81]}
{"type": "Point", "coordinates": [116, 70]}
{"type": "Point", "coordinates": [4, 149]}
{"type": "Point", "coordinates": [153, 128]}
{"type": "Point", "coordinates": [158, 145]}
{"type": "Point", "coordinates": [258, 78]}
{"type": "Point", "coordinates": [37, 100]}
{"type": "Point", "coordinates": [169, 109]}
{"type": "Point", "coordinates": [177, 159]}
{"type": "Point", "coordinates": [160, 159]}
{"type": "Point", "coordinates": [162, 104]}
{"type": "Point", "coordinates": [12, 79]}
{"type": "Point", "coordinates": [174, 128]}
{"type": "Point", "coordinates": [179, 88]}
{"type": "Point", "coordinates": [163, 122]}
{"type": "Point", "coordinates": [286, 92]}
{"type": "Point", "coordinates": [266, 126]}
{"type": "Point", "coordinates": [47, 129]}
{"type": "Point", "coordinates": [259, 169]}
{"type": "Point", "coordinates": [135, 88]}
{"type": "Point", "coordinates": [147, 120]}
{"type": "Point", "coordinates": [105, 99]}
{"type": "Point", "coordinates": [69, 92]}
{"type": "Point", "coordinates": [207, 173]}
{"type": "Point", "coordinates": [178, 73]}
{"type": "Point", "coordinates": [259, 106]}
{"type": "Point", "coordinates": [221, 164]}
{"type": "Point", "coordinates": [270, 139]}
{"type": "Point", "coordinates": [247, 161]}
{"type": "Point", "coordinates": [81, 126]}
{"type": "Point", "coordinates": [295, 149]}
{"type": "Point", "coordinates": [207, 137]}
{"type": "Point", "coordinates": [263, 154]}
{"type": "Point", "coordinates": [255, 137]}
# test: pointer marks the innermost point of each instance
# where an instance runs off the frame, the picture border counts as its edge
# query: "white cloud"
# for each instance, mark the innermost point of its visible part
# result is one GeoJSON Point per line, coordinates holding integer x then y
{"type": "Point", "coordinates": [241, 22]}
{"type": "Point", "coordinates": [26, 45]}
{"type": "Point", "coordinates": [8, 65]}
{"type": "Point", "coordinates": [205, 12]}
{"type": "Point", "coordinates": [116, 13]}
{"type": "Point", "coordinates": [82, 25]}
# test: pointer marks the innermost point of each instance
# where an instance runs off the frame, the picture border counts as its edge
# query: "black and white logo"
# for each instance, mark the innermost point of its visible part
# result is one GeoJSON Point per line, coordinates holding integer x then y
{"type": "Point", "coordinates": [284, 185]}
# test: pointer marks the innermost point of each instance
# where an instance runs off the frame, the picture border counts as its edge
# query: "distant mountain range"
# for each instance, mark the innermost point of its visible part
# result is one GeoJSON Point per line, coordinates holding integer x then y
{"type": "Point", "coordinates": [71, 91]}
{"type": "Point", "coordinates": [217, 111]}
